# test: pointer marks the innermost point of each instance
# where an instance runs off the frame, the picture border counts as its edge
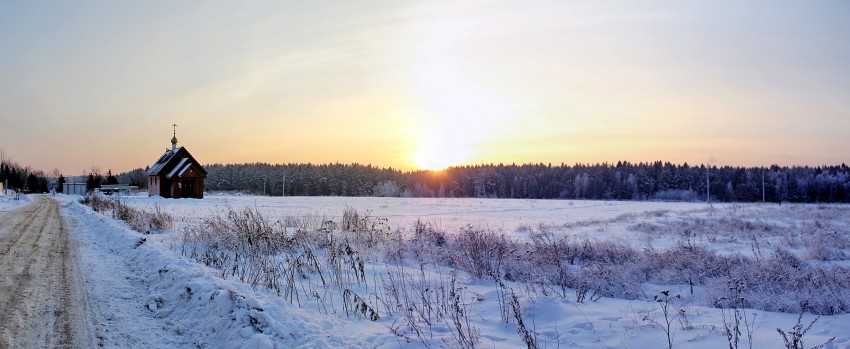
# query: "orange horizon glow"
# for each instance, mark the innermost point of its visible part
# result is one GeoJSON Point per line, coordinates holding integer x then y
{"type": "Point", "coordinates": [425, 85]}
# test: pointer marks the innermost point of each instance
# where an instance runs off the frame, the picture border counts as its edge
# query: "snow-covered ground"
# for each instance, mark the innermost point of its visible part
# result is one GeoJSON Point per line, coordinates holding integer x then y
{"type": "Point", "coordinates": [450, 214]}
{"type": "Point", "coordinates": [8, 202]}
{"type": "Point", "coordinates": [145, 293]}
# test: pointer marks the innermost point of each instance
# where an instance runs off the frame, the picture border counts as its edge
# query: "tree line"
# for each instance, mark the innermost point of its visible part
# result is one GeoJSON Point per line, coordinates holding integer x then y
{"type": "Point", "coordinates": [621, 181]}
{"type": "Point", "coordinates": [21, 178]}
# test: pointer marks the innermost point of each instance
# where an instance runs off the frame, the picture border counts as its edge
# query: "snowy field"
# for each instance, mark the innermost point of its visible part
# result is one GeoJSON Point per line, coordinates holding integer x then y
{"type": "Point", "coordinates": [450, 214]}
{"type": "Point", "coordinates": [173, 295]}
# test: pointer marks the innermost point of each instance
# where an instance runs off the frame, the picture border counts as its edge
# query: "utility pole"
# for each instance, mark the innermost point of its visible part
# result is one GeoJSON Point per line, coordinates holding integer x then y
{"type": "Point", "coordinates": [707, 187]}
{"type": "Point", "coordinates": [264, 186]}
{"type": "Point", "coordinates": [762, 186]}
{"type": "Point", "coordinates": [283, 186]}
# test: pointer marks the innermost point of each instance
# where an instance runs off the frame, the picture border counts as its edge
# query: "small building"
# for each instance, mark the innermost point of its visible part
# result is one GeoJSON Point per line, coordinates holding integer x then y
{"type": "Point", "coordinates": [176, 174]}
{"type": "Point", "coordinates": [110, 189]}
{"type": "Point", "coordinates": [75, 186]}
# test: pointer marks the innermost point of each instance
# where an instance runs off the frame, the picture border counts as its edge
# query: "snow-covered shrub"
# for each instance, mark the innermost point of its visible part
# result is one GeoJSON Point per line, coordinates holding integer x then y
{"type": "Point", "coordinates": [376, 228]}
{"type": "Point", "coordinates": [241, 244]}
{"type": "Point", "coordinates": [345, 262]}
{"type": "Point", "coordinates": [552, 258]}
{"type": "Point", "coordinates": [682, 264]}
{"type": "Point", "coordinates": [426, 233]}
{"type": "Point", "coordinates": [606, 251]}
{"type": "Point", "coordinates": [780, 282]}
{"type": "Point", "coordinates": [478, 252]}
{"type": "Point", "coordinates": [601, 279]}
{"type": "Point", "coordinates": [734, 314]}
{"type": "Point", "coordinates": [354, 304]}
{"type": "Point", "coordinates": [429, 303]}
{"type": "Point", "coordinates": [97, 202]}
{"type": "Point", "coordinates": [529, 336]}
{"type": "Point", "coordinates": [158, 219]}
{"type": "Point", "coordinates": [668, 305]}
{"type": "Point", "coordinates": [793, 339]}
{"type": "Point", "coordinates": [426, 243]}
{"type": "Point", "coordinates": [824, 244]}
{"type": "Point", "coordinates": [140, 220]}
{"type": "Point", "coordinates": [647, 227]}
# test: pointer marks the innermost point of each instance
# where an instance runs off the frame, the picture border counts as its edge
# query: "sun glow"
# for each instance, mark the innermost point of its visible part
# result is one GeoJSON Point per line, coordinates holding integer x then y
{"type": "Point", "coordinates": [457, 114]}
{"type": "Point", "coordinates": [439, 154]}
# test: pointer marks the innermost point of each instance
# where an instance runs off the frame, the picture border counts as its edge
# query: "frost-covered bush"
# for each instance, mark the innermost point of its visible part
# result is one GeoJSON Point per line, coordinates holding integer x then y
{"type": "Point", "coordinates": [824, 244]}
{"type": "Point", "coordinates": [549, 259]}
{"type": "Point", "coordinates": [478, 252]}
{"type": "Point", "coordinates": [241, 244]}
{"type": "Point", "coordinates": [609, 280]}
{"type": "Point", "coordinates": [683, 264]}
{"type": "Point", "coordinates": [425, 244]}
{"type": "Point", "coordinates": [140, 220]}
{"type": "Point", "coordinates": [97, 202]}
{"type": "Point", "coordinates": [606, 251]}
{"type": "Point", "coordinates": [775, 281]}
{"type": "Point", "coordinates": [296, 257]}
{"type": "Point", "coordinates": [354, 221]}
{"type": "Point", "coordinates": [432, 301]}
{"type": "Point", "coordinates": [781, 281]}
{"type": "Point", "coordinates": [793, 339]}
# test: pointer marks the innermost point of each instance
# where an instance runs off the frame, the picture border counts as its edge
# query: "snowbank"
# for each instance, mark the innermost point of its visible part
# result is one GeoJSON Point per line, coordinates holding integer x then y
{"type": "Point", "coordinates": [8, 202]}
{"type": "Point", "coordinates": [146, 294]}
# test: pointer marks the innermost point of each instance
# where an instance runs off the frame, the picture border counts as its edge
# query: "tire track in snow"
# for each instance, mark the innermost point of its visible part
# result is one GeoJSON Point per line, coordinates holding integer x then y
{"type": "Point", "coordinates": [43, 303]}
{"type": "Point", "coordinates": [7, 242]}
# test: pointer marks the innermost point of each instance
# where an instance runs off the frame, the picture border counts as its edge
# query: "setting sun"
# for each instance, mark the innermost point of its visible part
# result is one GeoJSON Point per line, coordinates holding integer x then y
{"type": "Point", "coordinates": [457, 113]}
{"type": "Point", "coordinates": [438, 154]}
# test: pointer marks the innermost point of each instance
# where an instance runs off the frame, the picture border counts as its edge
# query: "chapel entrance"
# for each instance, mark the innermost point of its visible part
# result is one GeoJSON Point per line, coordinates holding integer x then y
{"type": "Point", "coordinates": [188, 188]}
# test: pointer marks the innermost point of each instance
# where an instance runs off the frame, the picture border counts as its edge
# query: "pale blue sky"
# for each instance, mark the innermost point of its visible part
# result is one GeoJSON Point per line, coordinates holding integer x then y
{"type": "Point", "coordinates": [425, 84]}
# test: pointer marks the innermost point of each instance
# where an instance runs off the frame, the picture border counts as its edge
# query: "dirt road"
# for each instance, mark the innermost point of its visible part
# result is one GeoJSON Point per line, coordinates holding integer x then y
{"type": "Point", "coordinates": [42, 297]}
